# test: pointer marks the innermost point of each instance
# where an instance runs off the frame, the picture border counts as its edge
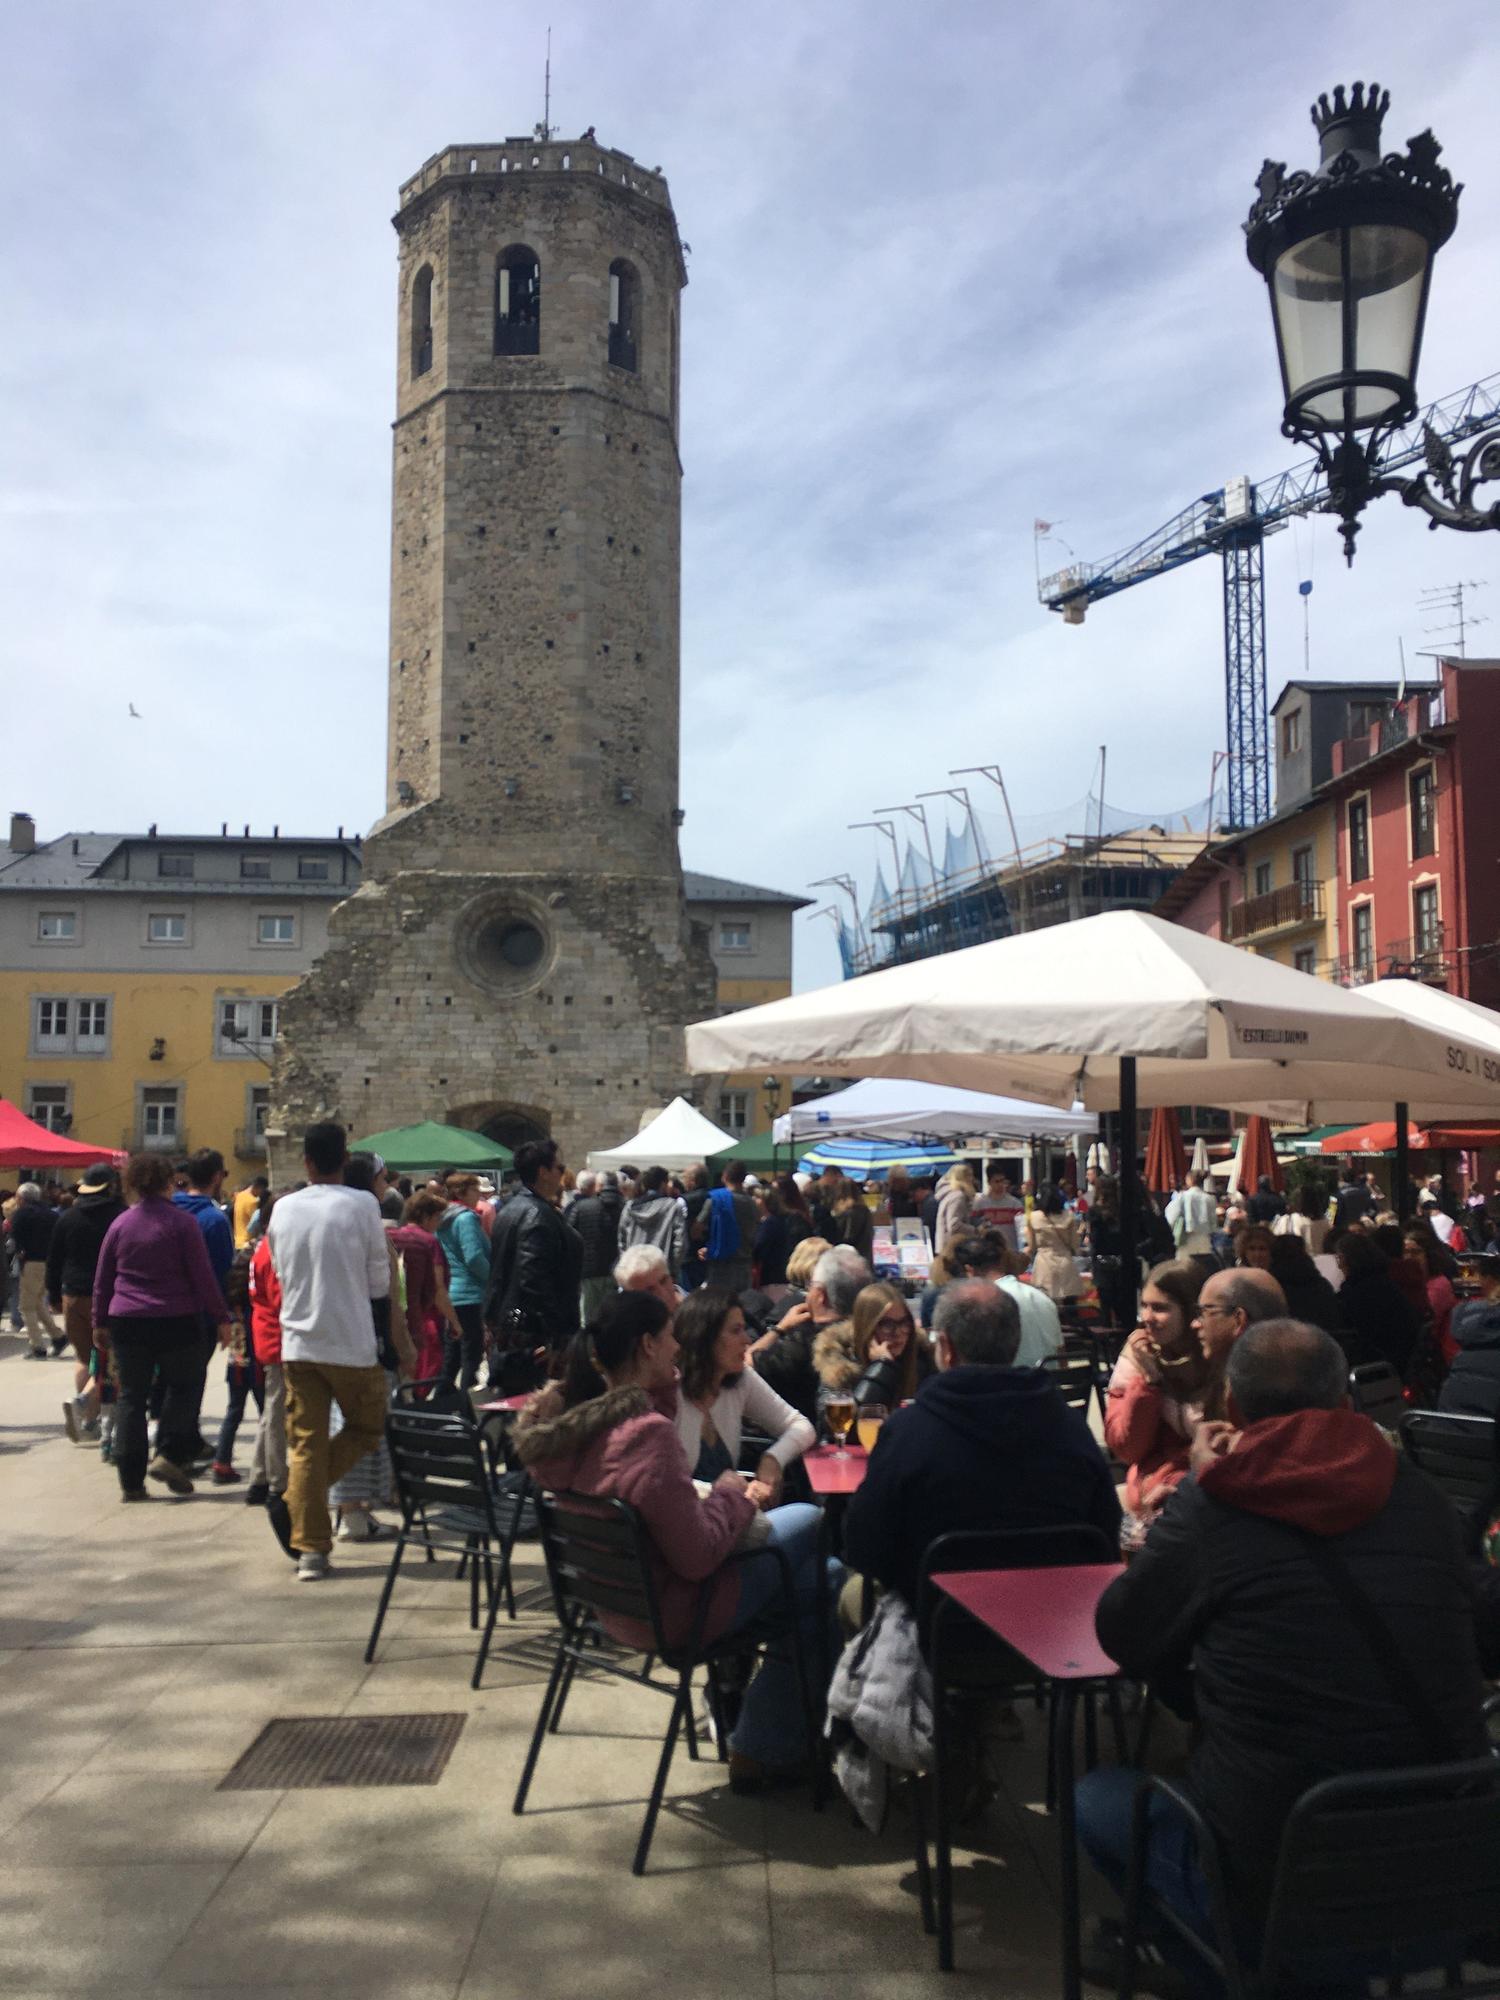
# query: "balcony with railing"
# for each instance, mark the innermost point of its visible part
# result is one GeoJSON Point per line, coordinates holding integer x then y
{"type": "Point", "coordinates": [1283, 909]}
{"type": "Point", "coordinates": [134, 1140]}
{"type": "Point", "coordinates": [1423, 957]}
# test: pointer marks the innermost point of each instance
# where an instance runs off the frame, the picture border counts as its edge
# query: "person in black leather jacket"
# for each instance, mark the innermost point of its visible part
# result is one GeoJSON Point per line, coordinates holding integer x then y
{"type": "Point", "coordinates": [1235, 1580]}
{"type": "Point", "coordinates": [535, 1260]}
{"type": "Point", "coordinates": [595, 1220]}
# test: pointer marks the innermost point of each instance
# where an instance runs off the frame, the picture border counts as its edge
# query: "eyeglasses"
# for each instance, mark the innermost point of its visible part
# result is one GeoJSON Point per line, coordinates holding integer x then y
{"type": "Point", "coordinates": [1208, 1306]}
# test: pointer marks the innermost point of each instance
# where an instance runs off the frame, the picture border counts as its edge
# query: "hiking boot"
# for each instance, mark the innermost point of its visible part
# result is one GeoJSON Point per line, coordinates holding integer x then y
{"type": "Point", "coordinates": [173, 1477]}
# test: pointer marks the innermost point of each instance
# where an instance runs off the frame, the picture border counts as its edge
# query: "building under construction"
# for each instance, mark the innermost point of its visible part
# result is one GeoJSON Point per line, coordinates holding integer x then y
{"type": "Point", "coordinates": [1125, 863]}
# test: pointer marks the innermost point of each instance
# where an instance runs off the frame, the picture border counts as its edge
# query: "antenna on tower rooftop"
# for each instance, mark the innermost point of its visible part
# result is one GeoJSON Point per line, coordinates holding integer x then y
{"type": "Point", "coordinates": [544, 130]}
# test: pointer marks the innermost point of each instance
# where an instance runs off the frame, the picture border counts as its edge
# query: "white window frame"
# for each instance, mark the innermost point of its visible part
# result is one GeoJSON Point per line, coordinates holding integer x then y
{"type": "Point", "coordinates": [734, 1110]}
{"type": "Point", "coordinates": [257, 1109]}
{"type": "Point", "coordinates": [261, 1017]}
{"type": "Point", "coordinates": [154, 917]}
{"type": "Point", "coordinates": [72, 1040]}
{"type": "Point", "coordinates": [154, 1097]}
{"type": "Point", "coordinates": [53, 1091]}
{"type": "Point", "coordinates": [727, 924]}
{"type": "Point", "coordinates": [264, 917]}
{"type": "Point", "coordinates": [44, 917]}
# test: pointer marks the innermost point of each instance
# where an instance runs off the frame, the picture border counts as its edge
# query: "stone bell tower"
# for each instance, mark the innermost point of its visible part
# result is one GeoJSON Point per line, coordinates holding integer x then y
{"type": "Point", "coordinates": [518, 956]}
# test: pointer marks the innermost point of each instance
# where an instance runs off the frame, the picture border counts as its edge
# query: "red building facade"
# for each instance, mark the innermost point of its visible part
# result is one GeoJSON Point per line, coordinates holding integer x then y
{"type": "Point", "coordinates": [1417, 798]}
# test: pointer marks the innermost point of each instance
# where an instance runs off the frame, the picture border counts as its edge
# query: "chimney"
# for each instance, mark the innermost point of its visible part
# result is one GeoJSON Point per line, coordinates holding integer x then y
{"type": "Point", "coordinates": [22, 833]}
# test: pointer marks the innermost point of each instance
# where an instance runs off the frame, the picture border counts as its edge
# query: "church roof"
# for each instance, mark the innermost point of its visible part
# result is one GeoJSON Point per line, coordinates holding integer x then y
{"type": "Point", "coordinates": [719, 889]}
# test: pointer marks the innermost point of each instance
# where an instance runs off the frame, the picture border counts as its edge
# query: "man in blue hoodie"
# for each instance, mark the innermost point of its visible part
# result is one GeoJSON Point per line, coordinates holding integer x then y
{"type": "Point", "coordinates": [205, 1173]}
{"type": "Point", "coordinates": [984, 1444]}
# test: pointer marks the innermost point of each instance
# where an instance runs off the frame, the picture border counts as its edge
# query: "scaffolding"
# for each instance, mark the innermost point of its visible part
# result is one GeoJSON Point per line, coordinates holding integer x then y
{"type": "Point", "coordinates": [1000, 876]}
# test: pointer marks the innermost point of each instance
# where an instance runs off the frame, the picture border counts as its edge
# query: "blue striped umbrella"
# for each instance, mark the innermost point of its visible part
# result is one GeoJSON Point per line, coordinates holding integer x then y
{"type": "Point", "coordinates": [872, 1159]}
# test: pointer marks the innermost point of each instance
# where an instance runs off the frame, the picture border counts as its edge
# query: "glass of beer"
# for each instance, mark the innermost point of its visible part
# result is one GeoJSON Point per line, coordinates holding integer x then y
{"type": "Point", "coordinates": [867, 1423]}
{"type": "Point", "coordinates": [838, 1414]}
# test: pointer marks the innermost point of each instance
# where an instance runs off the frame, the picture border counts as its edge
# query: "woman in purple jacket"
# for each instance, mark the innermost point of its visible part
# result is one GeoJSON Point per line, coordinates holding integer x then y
{"type": "Point", "coordinates": [153, 1287]}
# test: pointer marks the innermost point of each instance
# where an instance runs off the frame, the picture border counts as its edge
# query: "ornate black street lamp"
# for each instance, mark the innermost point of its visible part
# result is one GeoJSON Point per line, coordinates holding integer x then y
{"type": "Point", "coordinates": [1346, 253]}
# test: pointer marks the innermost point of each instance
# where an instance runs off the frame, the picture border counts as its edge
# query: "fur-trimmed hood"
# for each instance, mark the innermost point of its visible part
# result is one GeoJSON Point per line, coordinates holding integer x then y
{"type": "Point", "coordinates": [834, 1357]}
{"type": "Point", "coordinates": [546, 1430]}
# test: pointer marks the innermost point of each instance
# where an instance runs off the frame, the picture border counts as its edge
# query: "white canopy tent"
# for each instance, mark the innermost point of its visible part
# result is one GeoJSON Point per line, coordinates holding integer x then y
{"type": "Point", "coordinates": [1058, 1014]}
{"type": "Point", "coordinates": [676, 1138]}
{"type": "Point", "coordinates": [884, 1107]}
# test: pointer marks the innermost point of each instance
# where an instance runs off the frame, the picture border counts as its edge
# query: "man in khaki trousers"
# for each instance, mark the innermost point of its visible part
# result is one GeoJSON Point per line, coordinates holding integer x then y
{"type": "Point", "coordinates": [328, 1250]}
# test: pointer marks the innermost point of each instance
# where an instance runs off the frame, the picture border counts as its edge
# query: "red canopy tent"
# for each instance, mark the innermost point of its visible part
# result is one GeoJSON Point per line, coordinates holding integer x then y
{"type": "Point", "coordinates": [1166, 1155]}
{"type": "Point", "coordinates": [1381, 1138]}
{"type": "Point", "coordinates": [24, 1143]}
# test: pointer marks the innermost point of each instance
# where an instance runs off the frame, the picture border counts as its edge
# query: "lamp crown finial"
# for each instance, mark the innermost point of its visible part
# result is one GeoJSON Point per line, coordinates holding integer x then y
{"type": "Point", "coordinates": [1349, 120]}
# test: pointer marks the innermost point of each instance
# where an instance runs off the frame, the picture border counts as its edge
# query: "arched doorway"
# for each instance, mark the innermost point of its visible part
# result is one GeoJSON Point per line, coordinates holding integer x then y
{"type": "Point", "coordinates": [509, 1124]}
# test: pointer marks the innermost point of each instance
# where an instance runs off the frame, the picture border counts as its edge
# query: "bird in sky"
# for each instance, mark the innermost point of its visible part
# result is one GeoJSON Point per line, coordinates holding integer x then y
{"type": "Point", "coordinates": [135, 711]}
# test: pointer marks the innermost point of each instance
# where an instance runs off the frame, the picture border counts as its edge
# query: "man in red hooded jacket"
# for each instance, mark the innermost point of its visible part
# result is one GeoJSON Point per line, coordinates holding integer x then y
{"type": "Point", "coordinates": [1235, 1580]}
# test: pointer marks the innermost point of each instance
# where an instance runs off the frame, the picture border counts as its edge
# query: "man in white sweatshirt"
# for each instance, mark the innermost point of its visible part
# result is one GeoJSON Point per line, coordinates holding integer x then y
{"type": "Point", "coordinates": [328, 1249]}
{"type": "Point", "coordinates": [1192, 1215]}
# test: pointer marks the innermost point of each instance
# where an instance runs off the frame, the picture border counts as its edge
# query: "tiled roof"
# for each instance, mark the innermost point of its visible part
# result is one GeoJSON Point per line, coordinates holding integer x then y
{"type": "Point", "coordinates": [73, 860]}
{"type": "Point", "coordinates": [719, 889]}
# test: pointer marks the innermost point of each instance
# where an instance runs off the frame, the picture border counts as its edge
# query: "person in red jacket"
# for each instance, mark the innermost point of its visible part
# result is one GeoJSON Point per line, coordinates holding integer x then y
{"type": "Point", "coordinates": [1157, 1395]}
{"type": "Point", "coordinates": [609, 1429]}
{"type": "Point", "coordinates": [268, 1466]}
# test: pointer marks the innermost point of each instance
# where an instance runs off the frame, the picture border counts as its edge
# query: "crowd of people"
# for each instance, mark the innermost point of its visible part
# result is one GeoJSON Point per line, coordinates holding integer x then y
{"type": "Point", "coordinates": [685, 1342]}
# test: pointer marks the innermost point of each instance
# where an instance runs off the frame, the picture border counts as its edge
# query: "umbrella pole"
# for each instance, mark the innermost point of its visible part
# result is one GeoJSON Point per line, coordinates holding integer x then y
{"type": "Point", "coordinates": [1402, 1170]}
{"type": "Point", "coordinates": [1130, 1187]}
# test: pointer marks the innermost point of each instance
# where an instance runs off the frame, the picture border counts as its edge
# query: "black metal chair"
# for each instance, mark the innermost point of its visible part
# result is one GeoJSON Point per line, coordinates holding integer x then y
{"type": "Point", "coordinates": [967, 1660]}
{"type": "Point", "coordinates": [1458, 1454]}
{"type": "Point", "coordinates": [1375, 1391]}
{"type": "Point", "coordinates": [598, 1562]}
{"type": "Point", "coordinates": [1076, 1372]}
{"type": "Point", "coordinates": [1396, 1870]}
{"type": "Point", "coordinates": [445, 1487]}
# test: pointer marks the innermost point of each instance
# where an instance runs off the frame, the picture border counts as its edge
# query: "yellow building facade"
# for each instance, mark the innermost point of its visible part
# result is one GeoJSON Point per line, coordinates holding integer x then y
{"type": "Point", "coordinates": [140, 978]}
{"type": "Point", "coordinates": [1281, 900]}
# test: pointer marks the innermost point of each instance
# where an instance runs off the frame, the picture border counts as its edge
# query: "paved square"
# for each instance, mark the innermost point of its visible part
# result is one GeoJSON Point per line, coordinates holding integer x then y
{"type": "Point", "coordinates": [144, 1649]}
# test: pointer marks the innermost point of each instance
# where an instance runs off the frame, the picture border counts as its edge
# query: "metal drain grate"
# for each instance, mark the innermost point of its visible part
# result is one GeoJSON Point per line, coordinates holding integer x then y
{"type": "Point", "coordinates": [302, 1753]}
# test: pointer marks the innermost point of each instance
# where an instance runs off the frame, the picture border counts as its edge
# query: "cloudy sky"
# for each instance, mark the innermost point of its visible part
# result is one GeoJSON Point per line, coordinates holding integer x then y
{"type": "Point", "coordinates": [953, 269]}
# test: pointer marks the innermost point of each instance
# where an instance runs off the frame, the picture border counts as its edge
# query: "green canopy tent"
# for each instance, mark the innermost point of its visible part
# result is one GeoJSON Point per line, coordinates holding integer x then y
{"type": "Point", "coordinates": [758, 1154]}
{"type": "Point", "coordinates": [418, 1149]}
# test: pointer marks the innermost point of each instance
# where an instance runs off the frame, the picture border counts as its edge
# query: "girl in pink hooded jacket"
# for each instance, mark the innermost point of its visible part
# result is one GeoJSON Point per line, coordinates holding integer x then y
{"type": "Point", "coordinates": [608, 1431]}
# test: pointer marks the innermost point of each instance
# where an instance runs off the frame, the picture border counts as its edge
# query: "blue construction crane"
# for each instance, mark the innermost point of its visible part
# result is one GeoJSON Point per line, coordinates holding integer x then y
{"type": "Point", "coordinates": [1234, 521]}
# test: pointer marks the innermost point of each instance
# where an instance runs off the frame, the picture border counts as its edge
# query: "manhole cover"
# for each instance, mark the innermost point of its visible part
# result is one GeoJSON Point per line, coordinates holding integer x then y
{"type": "Point", "coordinates": [300, 1753]}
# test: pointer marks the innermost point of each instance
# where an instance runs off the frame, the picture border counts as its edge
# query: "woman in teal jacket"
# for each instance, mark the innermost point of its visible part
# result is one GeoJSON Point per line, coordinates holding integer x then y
{"type": "Point", "coordinates": [467, 1249]}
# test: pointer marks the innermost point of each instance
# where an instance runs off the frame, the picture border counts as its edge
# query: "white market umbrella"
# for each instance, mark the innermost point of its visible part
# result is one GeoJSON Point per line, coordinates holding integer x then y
{"type": "Point", "coordinates": [676, 1138]}
{"type": "Point", "coordinates": [883, 1107]}
{"type": "Point", "coordinates": [1198, 1164]}
{"type": "Point", "coordinates": [1098, 1157]}
{"type": "Point", "coordinates": [1061, 1015]}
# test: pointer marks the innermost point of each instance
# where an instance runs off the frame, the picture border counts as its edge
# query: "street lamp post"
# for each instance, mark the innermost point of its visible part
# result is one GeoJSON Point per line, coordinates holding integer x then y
{"type": "Point", "coordinates": [1346, 252]}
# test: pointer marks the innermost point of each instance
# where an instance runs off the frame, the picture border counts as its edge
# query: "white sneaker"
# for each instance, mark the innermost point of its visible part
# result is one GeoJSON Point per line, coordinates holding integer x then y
{"type": "Point", "coordinates": [356, 1525]}
{"type": "Point", "coordinates": [312, 1567]}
